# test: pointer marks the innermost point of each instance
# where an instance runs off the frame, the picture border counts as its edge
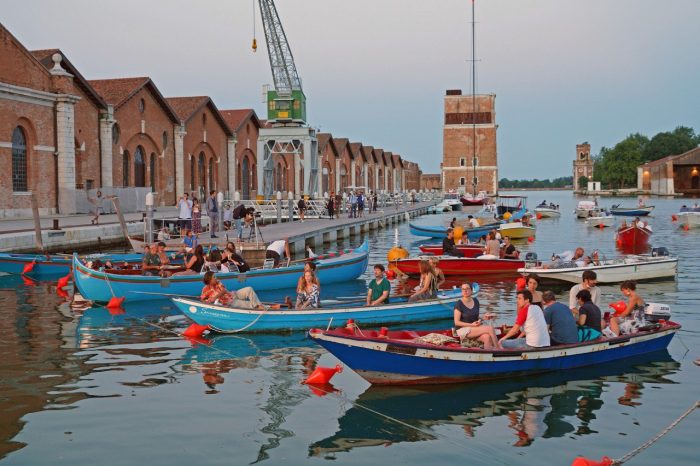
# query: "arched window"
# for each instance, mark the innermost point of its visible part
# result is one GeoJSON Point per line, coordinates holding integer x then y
{"type": "Point", "coordinates": [212, 181]}
{"type": "Point", "coordinates": [19, 160]}
{"type": "Point", "coordinates": [325, 179]}
{"type": "Point", "coordinates": [152, 169]}
{"type": "Point", "coordinates": [192, 170]}
{"type": "Point", "coordinates": [343, 177]}
{"type": "Point", "coordinates": [139, 168]}
{"type": "Point", "coordinates": [200, 170]}
{"type": "Point", "coordinates": [245, 179]}
{"type": "Point", "coordinates": [125, 167]}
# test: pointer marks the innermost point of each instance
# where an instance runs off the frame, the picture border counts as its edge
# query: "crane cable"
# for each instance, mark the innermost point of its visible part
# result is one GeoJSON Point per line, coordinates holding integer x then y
{"type": "Point", "coordinates": [255, 42]}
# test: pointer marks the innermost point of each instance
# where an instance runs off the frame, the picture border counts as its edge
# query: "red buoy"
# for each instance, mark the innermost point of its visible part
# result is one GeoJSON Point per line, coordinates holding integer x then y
{"type": "Point", "coordinates": [115, 302]}
{"type": "Point", "coordinates": [539, 216]}
{"type": "Point", "coordinates": [581, 461]}
{"type": "Point", "coordinates": [686, 227]}
{"type": "Point", "coordinates": [28, 267]}
{"type": "Point", "coordinates": [390, 274]}
{"type": "Point", "coordinates": [61, 292]}
{"type": "Point", "coordinates": [323, 375]}
{"type": "Point", "coordinates": [619, 307]}
{"type": "Point", "coordinates": [674, 218]}
{"type": "Point", "coordinates": [195, 330]}
{"type": "Point", "coordinates": [62, 282]}
{"type": "Point", "coordinates": [531, 239]}
{"type": "Point", "coordinates": [520, 283]}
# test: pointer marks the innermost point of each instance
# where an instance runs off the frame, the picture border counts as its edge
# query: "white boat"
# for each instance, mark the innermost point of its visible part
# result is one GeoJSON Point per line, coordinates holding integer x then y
{"type": "Point", "coordinates": [601, 221]}
{"type": "Point", "coordinates": [633, 267]}
{"type": "Point", "coordinates": [584, 207]}
{"type": "Point", "coordinates": [547, 212]}
{"type": "Point", "coordinates": [453, 200]}
{"type": "Point", "coordinates": [689, 218]}
{"type": "Point", "coordinates": [443, 206]}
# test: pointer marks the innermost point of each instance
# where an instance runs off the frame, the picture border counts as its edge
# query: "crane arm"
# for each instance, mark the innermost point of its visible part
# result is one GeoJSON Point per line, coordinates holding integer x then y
{"type": "Point", "coordinates": [284, 71]}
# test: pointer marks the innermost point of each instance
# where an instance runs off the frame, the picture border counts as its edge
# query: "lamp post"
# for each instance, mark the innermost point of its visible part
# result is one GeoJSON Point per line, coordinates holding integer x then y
{"type": "Point", "coordinates": [150, 200]}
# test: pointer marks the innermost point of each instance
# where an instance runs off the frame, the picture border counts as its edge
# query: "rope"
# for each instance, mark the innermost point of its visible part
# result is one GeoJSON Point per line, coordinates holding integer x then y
{"type": "Point", "coordinates": [244, 327]}
{"type": "Point", "coordinates": [651, 441]}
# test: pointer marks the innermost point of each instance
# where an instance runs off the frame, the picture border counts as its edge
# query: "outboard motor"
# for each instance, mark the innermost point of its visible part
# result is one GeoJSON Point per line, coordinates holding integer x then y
{"type": "Point", "coordinates": [653, 312]}
{"type": "Point", "coordinates": [659, 252]}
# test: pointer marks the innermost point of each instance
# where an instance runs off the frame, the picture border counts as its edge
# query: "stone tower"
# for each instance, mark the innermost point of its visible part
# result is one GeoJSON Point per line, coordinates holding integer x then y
{"type": "Point", "coordinates": [583, 164]}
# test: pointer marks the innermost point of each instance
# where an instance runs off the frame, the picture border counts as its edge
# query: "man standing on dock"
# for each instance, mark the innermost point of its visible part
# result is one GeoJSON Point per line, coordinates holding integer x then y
{"type": "Point", "coordinates": [185, 216]}
{"type": "Point", "coordinates": [213, 212]}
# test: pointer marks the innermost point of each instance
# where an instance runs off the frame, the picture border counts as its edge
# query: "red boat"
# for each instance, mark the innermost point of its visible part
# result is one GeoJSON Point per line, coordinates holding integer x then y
{"type": "Point", "coordinates": [463, 266]}
{"type": "Point", "coordinates": [477, 199]}
{"type": "Point", "coordinates": [469, 250]}
{"type": "Point", "coordinates": [633, 237]}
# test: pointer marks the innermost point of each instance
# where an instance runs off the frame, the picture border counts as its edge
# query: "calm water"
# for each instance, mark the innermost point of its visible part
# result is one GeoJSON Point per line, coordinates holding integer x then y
{"type": "Point", "coordinates": [92, 387]}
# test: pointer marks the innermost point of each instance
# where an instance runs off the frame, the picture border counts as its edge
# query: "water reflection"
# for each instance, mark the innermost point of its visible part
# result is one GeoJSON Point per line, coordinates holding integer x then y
{"type": "Point", "coordinates": [545, 406]}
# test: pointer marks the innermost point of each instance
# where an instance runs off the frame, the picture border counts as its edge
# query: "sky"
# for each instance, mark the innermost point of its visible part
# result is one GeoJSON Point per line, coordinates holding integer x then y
{"type": "Point", "coordinates": [376, 71]}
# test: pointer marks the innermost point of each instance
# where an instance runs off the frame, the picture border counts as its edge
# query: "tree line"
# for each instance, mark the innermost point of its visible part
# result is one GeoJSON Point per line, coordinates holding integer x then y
{"type": "Point", "coordinates": [616, 167]}
{"type": "Point", "coordinates": [562, 182]}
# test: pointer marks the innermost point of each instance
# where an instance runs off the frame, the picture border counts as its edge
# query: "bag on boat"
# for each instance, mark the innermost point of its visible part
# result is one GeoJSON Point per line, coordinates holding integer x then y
{"type": "Point", "coordinates": [588, 334]}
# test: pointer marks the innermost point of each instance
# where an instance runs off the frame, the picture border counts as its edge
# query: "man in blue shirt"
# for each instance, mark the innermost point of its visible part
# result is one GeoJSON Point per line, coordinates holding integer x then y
{"type": "Point", "coordinates": [563, 328]}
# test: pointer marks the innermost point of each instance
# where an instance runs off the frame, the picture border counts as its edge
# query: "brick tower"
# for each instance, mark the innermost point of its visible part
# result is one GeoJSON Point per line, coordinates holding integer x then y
{"type": "Point", "coordinates": [583, 164]}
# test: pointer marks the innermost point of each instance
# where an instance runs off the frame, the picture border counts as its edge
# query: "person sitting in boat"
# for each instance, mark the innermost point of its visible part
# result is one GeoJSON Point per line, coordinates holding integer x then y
{"type": "Point", "coordinates": [589, 281]}
{"type": "Point", "coordinates": [453, 223]}
{"type": "Point", "coordinates": [533, 281]}
{"type": "Point", "coordinates": [562, 325]}
{"type": "Point", "coordinates": [448, 245]}
{"type": "Point", "coordinates": [437, 271]}
{"type": "Point", "coordinates": [473, 223]}
{"type": "Point", "coordinates": [164, 234]}
{"type": "Point", "coordinates": [379, 289]}
{"type": "Point", "coordinates": [214, 292]}
{"type": "Point", "coordinates": [309, 267]}
{"type": "Point", "coordinates": [543, 204]}
{"type": "Point", "coordinates": [189, 241]}
{"type": "Point", "coordinates": [525, 220]}
{"type": "Point", "coordinates": [151, 265]}
{"type": "Point", "coordinates": [630, 319]}
{"type": "Point", "coordinates": [589, 317]}
{"type": "Point", "coordinates": [231, 258]}
{"type": "Point", "coordinates": [595, 257]}
{"type": "Point", "coordinates": [309, 291]}
{"type": "Point", "coordinates": [213, 262]}
{"type": "Point", "coordinates": [492, 250]}
{"type": "Point", "coordinates": [509, 250]}
{"type": "Point", "coordinates": [194, 263]}
{"type": "Point", "coordinates": [530, 321]}
{"type": "Point", "coordinates": [427, 287]}
{"type": "Point", "coordinates": [278, 249]}
{"type": "Point", "coordinates": [466, 319]}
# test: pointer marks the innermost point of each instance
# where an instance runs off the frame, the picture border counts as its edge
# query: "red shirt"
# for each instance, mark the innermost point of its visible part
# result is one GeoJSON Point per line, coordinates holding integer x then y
{"type": "Point", "coordinates": [209, 291]}
{"type": "Point", "coordinates": [522, 315]}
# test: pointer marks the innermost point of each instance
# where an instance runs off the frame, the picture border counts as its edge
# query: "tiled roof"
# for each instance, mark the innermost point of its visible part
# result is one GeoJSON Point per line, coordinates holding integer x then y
{"type": "Point", "coordinates": [340, 144]}
{"type": "Point", "coordinates": [323, 140]}
{"type": "Point", "coordinates": [236, 117]}
{"type": "Point", "coordinates": [186, 106]}
{"type": "Point", "coordinates": [355, 149]}
{"type": "Point", "coordinates": [117, 91]}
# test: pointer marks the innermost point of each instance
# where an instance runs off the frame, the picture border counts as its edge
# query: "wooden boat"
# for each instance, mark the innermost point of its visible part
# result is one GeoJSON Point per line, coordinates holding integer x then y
{"type": "Point", "coordinates": [401, 358]}
{"type": "Point", "coordinates": [633, 237]}
{"type": "Point", "coordinates": [469, 250]}
{"type": "Point", "coordinates": [631, 211]}
{"type": "Point", "coordinates": [462, 265]}
{"type": "Point", "coordinates": [54, 265]}
{"type": "Point", "coordinates": [547, 212]}
{"type": "Point", "coordinates": [101, 286]}
{"type": "Point", "coordinates": [634, 267]}
{"type": "Point", "coordinates": [225, 319]}
{"type": "Point", "coordinates": [601, 221]}
{"type": "Point", "coordinates": [472, 234]}
{"type": "Point", "coordinates": [517, 230]}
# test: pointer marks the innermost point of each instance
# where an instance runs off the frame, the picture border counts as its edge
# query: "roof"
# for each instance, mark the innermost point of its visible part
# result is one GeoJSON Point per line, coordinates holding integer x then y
{"type": "Point", "coordinates": [45, 57]}
{"type": "Point", "coordinates": [688, 157]}
{"type": "Point", "coordinates": [187, 107]}
{"type": "Point", "coordinates": [323, 140]}
{"type": "Point", "coordinates": [355, 150]}
{"type": "Point", "coordinates": [340, 144]}
{"type": "Point", "coordinates": [236, 117]}
{"type": "Point", "coordinates": [119, 90]}
{"type": "Point", "coordinates": [367, 153]}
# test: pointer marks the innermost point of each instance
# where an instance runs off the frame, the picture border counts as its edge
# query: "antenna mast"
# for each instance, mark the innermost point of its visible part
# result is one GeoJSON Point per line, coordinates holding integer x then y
{"type": "Point", "coordinates": [474, 178]}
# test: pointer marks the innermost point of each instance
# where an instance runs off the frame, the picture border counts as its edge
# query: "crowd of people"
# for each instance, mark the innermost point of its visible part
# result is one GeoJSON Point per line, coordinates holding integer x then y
{"type": "Point", "coordinates": [495, 246]}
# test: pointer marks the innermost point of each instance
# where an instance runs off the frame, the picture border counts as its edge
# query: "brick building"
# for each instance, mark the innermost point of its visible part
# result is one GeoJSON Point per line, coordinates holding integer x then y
{"type": "Point", "coordinates": [583, 165]}
{"type": "Point", "coordinates": [431, 182]}
{"type": "Point", "coordinates": [675, 174]}
{"type": "Point", "coordinates": [469, 139]}
{"type": "Point", "coordinates": [245, 126]}
{"type": "Point", "coordinates": [412, 175]}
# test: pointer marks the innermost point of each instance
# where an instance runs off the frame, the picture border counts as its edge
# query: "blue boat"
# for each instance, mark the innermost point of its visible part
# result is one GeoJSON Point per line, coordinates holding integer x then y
{"type": "Point", "coordinates": [396, 358]}
{"type": "Point", "coordinates": [473, 234]}
{"type": "Point", "coordinates": [53, 265]}
{"type": "Point", "coordinates": [631, 211]}
{"type": "Point", "coordinates": [224, 319]}
{"type": "Point", "coordinates": [101, 286]}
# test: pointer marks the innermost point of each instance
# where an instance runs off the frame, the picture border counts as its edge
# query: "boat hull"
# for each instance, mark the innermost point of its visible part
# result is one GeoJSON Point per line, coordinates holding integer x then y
{"type": "Point", "coordinates": [101, 287]}
{"type": "Point", "coordinates": [463, 266]}
{"type": "Point", "coordinates": [546, 212]}
{"type": "Point", "coordinates": [468, 250]}
{"type": "Point", "coordinates": [631, 211]}
{"type": "Point", "coordinates": [53, 265]}
{"type": "Point", "coordinates": [611, 273]}
{"type": "Point", "coordinates": [633, 237]}
{"type": "Point", "coordinates": [224, 319]}
{"type": "Point", "coordinates": [689, 219]}
{"type": "Point", "coordinates": [517, 230]}
{"type": "Point", "coordinates": [600, 222]}
{"type": "Point", "coordinates": [393, 362]}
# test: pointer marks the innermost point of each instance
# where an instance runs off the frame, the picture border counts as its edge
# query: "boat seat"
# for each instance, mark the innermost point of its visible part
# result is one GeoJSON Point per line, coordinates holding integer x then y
{"type": "Point", "coordinates": [269, 264]}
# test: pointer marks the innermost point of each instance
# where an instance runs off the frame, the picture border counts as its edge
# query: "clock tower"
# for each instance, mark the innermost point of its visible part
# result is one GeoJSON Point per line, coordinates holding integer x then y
{"type": "Point", "coordinates": [583, 164]}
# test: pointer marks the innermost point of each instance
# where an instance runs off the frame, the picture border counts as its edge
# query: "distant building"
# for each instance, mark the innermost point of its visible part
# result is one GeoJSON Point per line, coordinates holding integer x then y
{"type": "Point", "coordinates": [431, 182]}
{"type": "Point", "coordinates": [583, 164]}
{"type": "Point", "coordinates": [470, 159]}
{"type": "Point", "coordinates": [675, 174]}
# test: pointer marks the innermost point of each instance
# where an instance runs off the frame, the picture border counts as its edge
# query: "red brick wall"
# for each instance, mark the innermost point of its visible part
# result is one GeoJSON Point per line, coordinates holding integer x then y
{"type": "Point", "coordinates": [87, 130]}
{"type": "Point", "coordinates": [430, 181]}
{"type": "Point", "coordinates": [19, 67]}
{"type": "Point", "coordinates": [247, 146]}
{"type": "Point", "coordinates": [214, 148]}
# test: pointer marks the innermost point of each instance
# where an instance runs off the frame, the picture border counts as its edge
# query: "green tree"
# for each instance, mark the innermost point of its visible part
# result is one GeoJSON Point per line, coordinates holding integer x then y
{"type": "Point", "coordinates": [617, 167]}
{"type": "Point", "coordinates": [675, 142]}
{"type": "Point", "coordinates": [582, 182]}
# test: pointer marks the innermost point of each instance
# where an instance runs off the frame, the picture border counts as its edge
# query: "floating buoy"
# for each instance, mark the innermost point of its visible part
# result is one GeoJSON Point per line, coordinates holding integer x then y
{"type": "Point", "coordinates": [395, 253]}
{"type": "Point", "coordinates": [520, 283]}
{"type": "Point", "coordinates": [531, 239]}
{"type": "Point", "coordinates": [538, 216]}
{"type": "Point", "coordinates": [62, 282]}
{"type": "Point", "coordinates": [115, 302]}
{"type": "Point", "coordinates": [601, 226]}
{"type": "Point", "coordinates": [195, 330]}
{"type": "Point", "coordinates": [619, 307]}
{"type": "Point", "coordinates": [581, 461]}
{"type": "Point", "coordinates": [28, 267]}
{"type": "Point", "coordinates": [323, 375]}
{"type": "Point", "coordinates": [390, 274]}
{"type": "Point", "coordinates": [61, 292]}
{"type": "Point", "coordinates": [507, 215]}
{"type": "Point", "coordinates": [674, 218]}
{"type": "Point", "coordinates": [686, 227]}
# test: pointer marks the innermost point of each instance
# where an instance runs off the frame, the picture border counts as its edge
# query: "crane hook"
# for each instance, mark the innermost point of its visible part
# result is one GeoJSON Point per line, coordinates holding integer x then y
{"type": "Point", "coordinates": [255, 45]}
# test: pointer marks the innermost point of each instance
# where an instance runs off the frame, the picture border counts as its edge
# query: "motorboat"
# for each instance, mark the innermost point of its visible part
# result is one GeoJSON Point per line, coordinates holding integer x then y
{"type": "Point", "coordinates": [462, 266]}
{"type": "Point", "coordinates": [473, 200]}
{"type": "Point", "coordinates": [225, 319]}
{"type": "Point", "coordinates": [600, 221]}
{"type": "Point", "coordinates": [689, 217]}
{"type": "Point", "coordinates": [584, 209]}
{"type": "Point", "coordinates": [443, 206]}
{"type": "Point", "coordinates": [640, 211]}
{"type": "Point", "coordinates": [547, 211]}
{"type": "Point", "coordinates": [657, 265]}
{"type": "Point", "coordinates": [453, 200]}
{"type": "Point", "coordinates": [511, 204]}
{"type": "Point", "coordinates": [408, 357]}
{"type": "Point", "coordinates": [633, 236]}
{"type": "Point", "coordinates": [517, 230]}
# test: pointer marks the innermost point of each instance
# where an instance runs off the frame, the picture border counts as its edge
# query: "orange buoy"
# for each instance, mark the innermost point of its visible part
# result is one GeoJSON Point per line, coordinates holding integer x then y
{"type": "Point", "coordinates": [674, 218]}
{"type": "Point", "coordinates": [322, 389]}
{"type": "Point", "coordinates": [62, 282]}
{"type": "Point", "coordinates": [115, 302]}
{"type": "Point", "coordinates": [28, 267]}
{"type": "Point", "coordinates": [323, 375]}
{"type": "Point", "coordinates": [619, 307]}
{"type": "Point", "coordinates": [390, 274]}
{"type": "Point", "coordinates": [539, 216]}
{"type": "Point", "coordinates": [195, 330]}
{"type": "Point", "coordinates": [581, 461]}
{"type": "Point", "coordinates": [531, 239]}
{"type": "Point", "coordinates": [520, 283]}
{"type": "Point", "coordinates": [601, 226]}
{"type": "Point", "coordinates": [28, 281]}
{"type": "Point", "coordinates": [686, 227]}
